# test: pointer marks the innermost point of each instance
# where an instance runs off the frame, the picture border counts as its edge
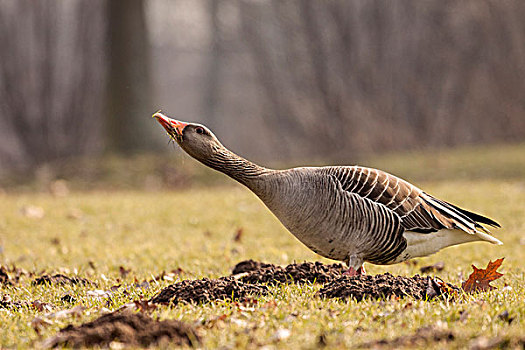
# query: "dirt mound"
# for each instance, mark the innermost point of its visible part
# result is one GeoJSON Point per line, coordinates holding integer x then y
{"type": "Point", "coordinates": [307, 272]}
{"type": "Point", "coordinates": [205, 290]}
{"type": "Point", "coordinates": [7, 303]}
{"type": "Point", "coordinates": [10, 276]}
{"type": "Point", "coordinates": [59, 279]}
{"type": "Point", "coordinates": [385, 286]}
{"type": "Point", "coordinates": [4, 276]}
{"type": "Point", "coordinates": [421, 337]}
{"type": "Point", "coordinates": [134, 329]}
{"type": "Point", "coordinates": [249, 266]}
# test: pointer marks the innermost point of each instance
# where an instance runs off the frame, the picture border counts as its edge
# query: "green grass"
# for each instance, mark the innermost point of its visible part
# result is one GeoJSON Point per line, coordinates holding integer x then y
{"type": "Point", "coordinates": [93, 233]}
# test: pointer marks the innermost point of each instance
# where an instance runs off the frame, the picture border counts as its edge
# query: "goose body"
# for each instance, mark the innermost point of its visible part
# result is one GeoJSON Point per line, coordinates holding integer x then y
{"type": "Point", "coordinates": [348, 213]}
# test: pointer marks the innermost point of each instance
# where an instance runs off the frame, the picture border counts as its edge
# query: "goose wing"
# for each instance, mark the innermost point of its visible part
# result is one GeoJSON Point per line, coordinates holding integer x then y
{"type": "Point", "coordinates": [418, 211]}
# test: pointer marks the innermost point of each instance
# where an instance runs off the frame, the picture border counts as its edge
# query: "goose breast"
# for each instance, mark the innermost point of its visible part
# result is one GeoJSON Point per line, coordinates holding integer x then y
{"type": "Point", "coordinates": [312, 204]}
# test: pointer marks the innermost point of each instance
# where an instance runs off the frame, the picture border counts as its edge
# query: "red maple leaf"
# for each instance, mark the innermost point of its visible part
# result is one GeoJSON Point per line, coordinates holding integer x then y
{"type": "Point", "coordinates": [479, 279]}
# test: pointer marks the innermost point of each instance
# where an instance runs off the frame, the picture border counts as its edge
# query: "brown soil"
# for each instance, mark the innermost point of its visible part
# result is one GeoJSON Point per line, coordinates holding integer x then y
{"type": "Point", "coordinates": [205, 290]}
{"type": "Point", "coordinates": [7, 303]}
{"type": "Point", "coordinates": [385, 286]}
{"type": "Point", "coordinates": [4, 276]}
{"type": "Point", "coordinates": [134, 329]}
{"type": "Point", "coordinates": [307, 272]}
{"type": "Point", "coordinates": [59, 279]}
{"type": "Point", "coordinates": [11, 275]}
{"type": "Point", "coordinates": [420, 338]}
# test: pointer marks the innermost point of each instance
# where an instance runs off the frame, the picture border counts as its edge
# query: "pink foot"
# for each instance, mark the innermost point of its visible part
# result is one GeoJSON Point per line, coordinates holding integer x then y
{"type": "Point", "coordinates": [352, 272]}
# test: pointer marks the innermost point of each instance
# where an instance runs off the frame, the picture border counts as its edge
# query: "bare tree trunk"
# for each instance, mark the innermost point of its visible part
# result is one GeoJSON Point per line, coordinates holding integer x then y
{"type": "Point", "coordinates": [212, 83]}
{"type": "Point", "coordinates": [52, 79]}
{"type": "Point", "coordinates": [129, 82]}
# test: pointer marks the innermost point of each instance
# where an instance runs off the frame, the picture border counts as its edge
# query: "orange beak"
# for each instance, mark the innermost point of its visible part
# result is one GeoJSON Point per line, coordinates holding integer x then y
{"type": "Point", "coordinates": [172, 126]}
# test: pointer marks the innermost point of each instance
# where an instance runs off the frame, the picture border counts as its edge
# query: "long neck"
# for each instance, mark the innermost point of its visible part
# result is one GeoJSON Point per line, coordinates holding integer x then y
{"type": "Point", "coordinates": [237, 167]}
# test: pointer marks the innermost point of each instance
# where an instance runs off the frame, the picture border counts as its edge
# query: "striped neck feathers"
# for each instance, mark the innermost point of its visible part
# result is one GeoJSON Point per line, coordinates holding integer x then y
{"type": "Point", "coordinates": [235, 166]}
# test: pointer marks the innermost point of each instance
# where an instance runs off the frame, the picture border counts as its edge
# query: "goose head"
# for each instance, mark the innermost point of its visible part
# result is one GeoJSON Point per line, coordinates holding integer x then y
{"type": "Point", "coordinates": [195, 139]}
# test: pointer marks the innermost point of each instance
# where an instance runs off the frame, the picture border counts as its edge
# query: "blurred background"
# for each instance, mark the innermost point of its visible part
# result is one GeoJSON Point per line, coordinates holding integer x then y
{"type": "Point", "coordinates": [279, 82]}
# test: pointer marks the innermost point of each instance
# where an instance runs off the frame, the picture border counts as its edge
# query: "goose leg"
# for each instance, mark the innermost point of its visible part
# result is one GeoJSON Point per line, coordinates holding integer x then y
{"type": "Point", "coordinates": [353, 272]}
{"type": "Point", "coordinates": [355, 266]}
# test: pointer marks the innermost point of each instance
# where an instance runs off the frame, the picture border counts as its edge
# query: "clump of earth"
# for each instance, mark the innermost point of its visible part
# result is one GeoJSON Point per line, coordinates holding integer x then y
{"type": "Point", "coordinates": [60, 279]}
{"type": "Point", "coordinates": [206, 290]}
{"type": "Point", "coordinates": [308, 272]}
{"type": "Point", "coordinates": [251, 278]}
{"type": "Point", "coordinates": [131, 329]}
{"type": "Point", "coordinates": [386, 286]}
{"type": "Point", "coordinates": [338, 285]}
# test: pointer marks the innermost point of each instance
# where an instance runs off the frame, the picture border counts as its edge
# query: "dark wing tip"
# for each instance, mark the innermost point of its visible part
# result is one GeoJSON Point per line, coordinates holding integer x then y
{"type": "Point", "coordinates": [476, 217]}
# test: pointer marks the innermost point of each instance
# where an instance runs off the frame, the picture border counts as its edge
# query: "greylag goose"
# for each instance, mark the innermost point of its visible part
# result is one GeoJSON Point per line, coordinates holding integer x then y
{"type": "Point", "coordinates": [348, 213]}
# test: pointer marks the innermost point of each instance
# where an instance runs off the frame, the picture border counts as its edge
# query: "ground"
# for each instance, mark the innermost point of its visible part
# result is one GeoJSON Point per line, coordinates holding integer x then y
{"type": "Point", "coordinates": [125, 238]}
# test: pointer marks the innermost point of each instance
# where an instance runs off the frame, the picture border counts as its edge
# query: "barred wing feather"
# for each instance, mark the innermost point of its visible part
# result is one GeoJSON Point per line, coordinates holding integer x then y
{"type": "Point", "coordinates": [419, 211]}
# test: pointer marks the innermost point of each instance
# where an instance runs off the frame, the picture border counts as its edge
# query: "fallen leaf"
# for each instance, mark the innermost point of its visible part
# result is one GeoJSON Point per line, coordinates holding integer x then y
{"type": "Point", "coordinates": [99, 294]}
{"type": "Point", "coordinates": [68, 298]}
{"type": "Point", "coordinates": [479, 279]}
{"type": "Point", "coordinates": [281, 334]}
{"type": "Point", "coordinates": [484, 343]}
{"type": "Point", "coordinates": [238, 235]}
{"type": "Point", "coordinates": [439, 266]}
{"type": "Point", "coordinates": [75, 312]}
{"type": "Point", "coordinates": [75, 214]}
{"type": "Point", "coordinates": [123, 271]}
{"type": "Point", "coordinates": [505, 316]}
{"type": "Point", "coordinates": [39, 323]}
{"type": "Point", "coordinates": [41, 306]}
{"type": "Point", "coordinates": [32, 212]}
{"type": "Point", "coordinates": [59, 188]}
{"type": "Point", "coordinates": [144, 305]}
{"type": "Point", "coordinates": [4, 276]}
{"type": "Point", "coordinates": [143, 284]}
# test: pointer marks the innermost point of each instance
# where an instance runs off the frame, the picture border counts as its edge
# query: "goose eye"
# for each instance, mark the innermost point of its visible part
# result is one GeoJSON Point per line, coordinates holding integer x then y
{"type": "Point", "coordinates": [199, 130]}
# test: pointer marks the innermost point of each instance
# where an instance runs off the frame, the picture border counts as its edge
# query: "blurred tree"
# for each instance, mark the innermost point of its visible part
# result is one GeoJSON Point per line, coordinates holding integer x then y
{"type": "Point", "coordinates": [365, 75]}
{"type": "Point", "coordinates": [212, 83]}
{"type": "Point", "coordinates": [129, 79]}
{"type": "Point", "coordinates": [51, 79]}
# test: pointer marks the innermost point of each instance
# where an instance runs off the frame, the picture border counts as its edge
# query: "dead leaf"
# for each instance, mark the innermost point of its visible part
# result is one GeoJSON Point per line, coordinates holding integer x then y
{"type": "Point", "coordinates": [115, 287]}
{"type": "Point", "coordinates": [68, 298]}
{"type": "Point", "coordinates": [479, 279]}
{"type": "Point", "coordinates": [238, 235]}
{"type": "Point", "coordinates": [144, 284]}
{"type": "Point", "coordinates": [4, 276]}
{"type": "Point", "coordinates": [59, 188]}
{"type": "Point", "coordinates": [505, 316]}
{"type": "Point", "coordinates": [75, 214]}
{"type": "Point", "coordinates": [281, 334]}
{"type": "Point", "coordinates": [39, 323]}
{"type": "Point", "coordinates": [439, 266]}
{"type": "Point", "coordinates": [144, 305]}
{"type": "Point", "coordinates": [32, 212]}
{"type": "Point", "coordinates": [75, 312]}
{"type": "Point", "coordinates": [484, 343]}
{"type": "Point", "coordinates": [99, 294]}
{"type": "Point", "coordinates": [41, 306]}
{"type": "Point", "coordinates": [123, 271]}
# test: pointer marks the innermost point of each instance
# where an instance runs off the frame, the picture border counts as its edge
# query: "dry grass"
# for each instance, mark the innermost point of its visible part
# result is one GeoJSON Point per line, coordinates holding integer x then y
{"type": "Point", "coordinates": [93, 233]}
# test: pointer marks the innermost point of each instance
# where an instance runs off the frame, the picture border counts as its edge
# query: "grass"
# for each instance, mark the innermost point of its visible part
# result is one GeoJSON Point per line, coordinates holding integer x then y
{"type": "Point", "coordinates": [93, 233]}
